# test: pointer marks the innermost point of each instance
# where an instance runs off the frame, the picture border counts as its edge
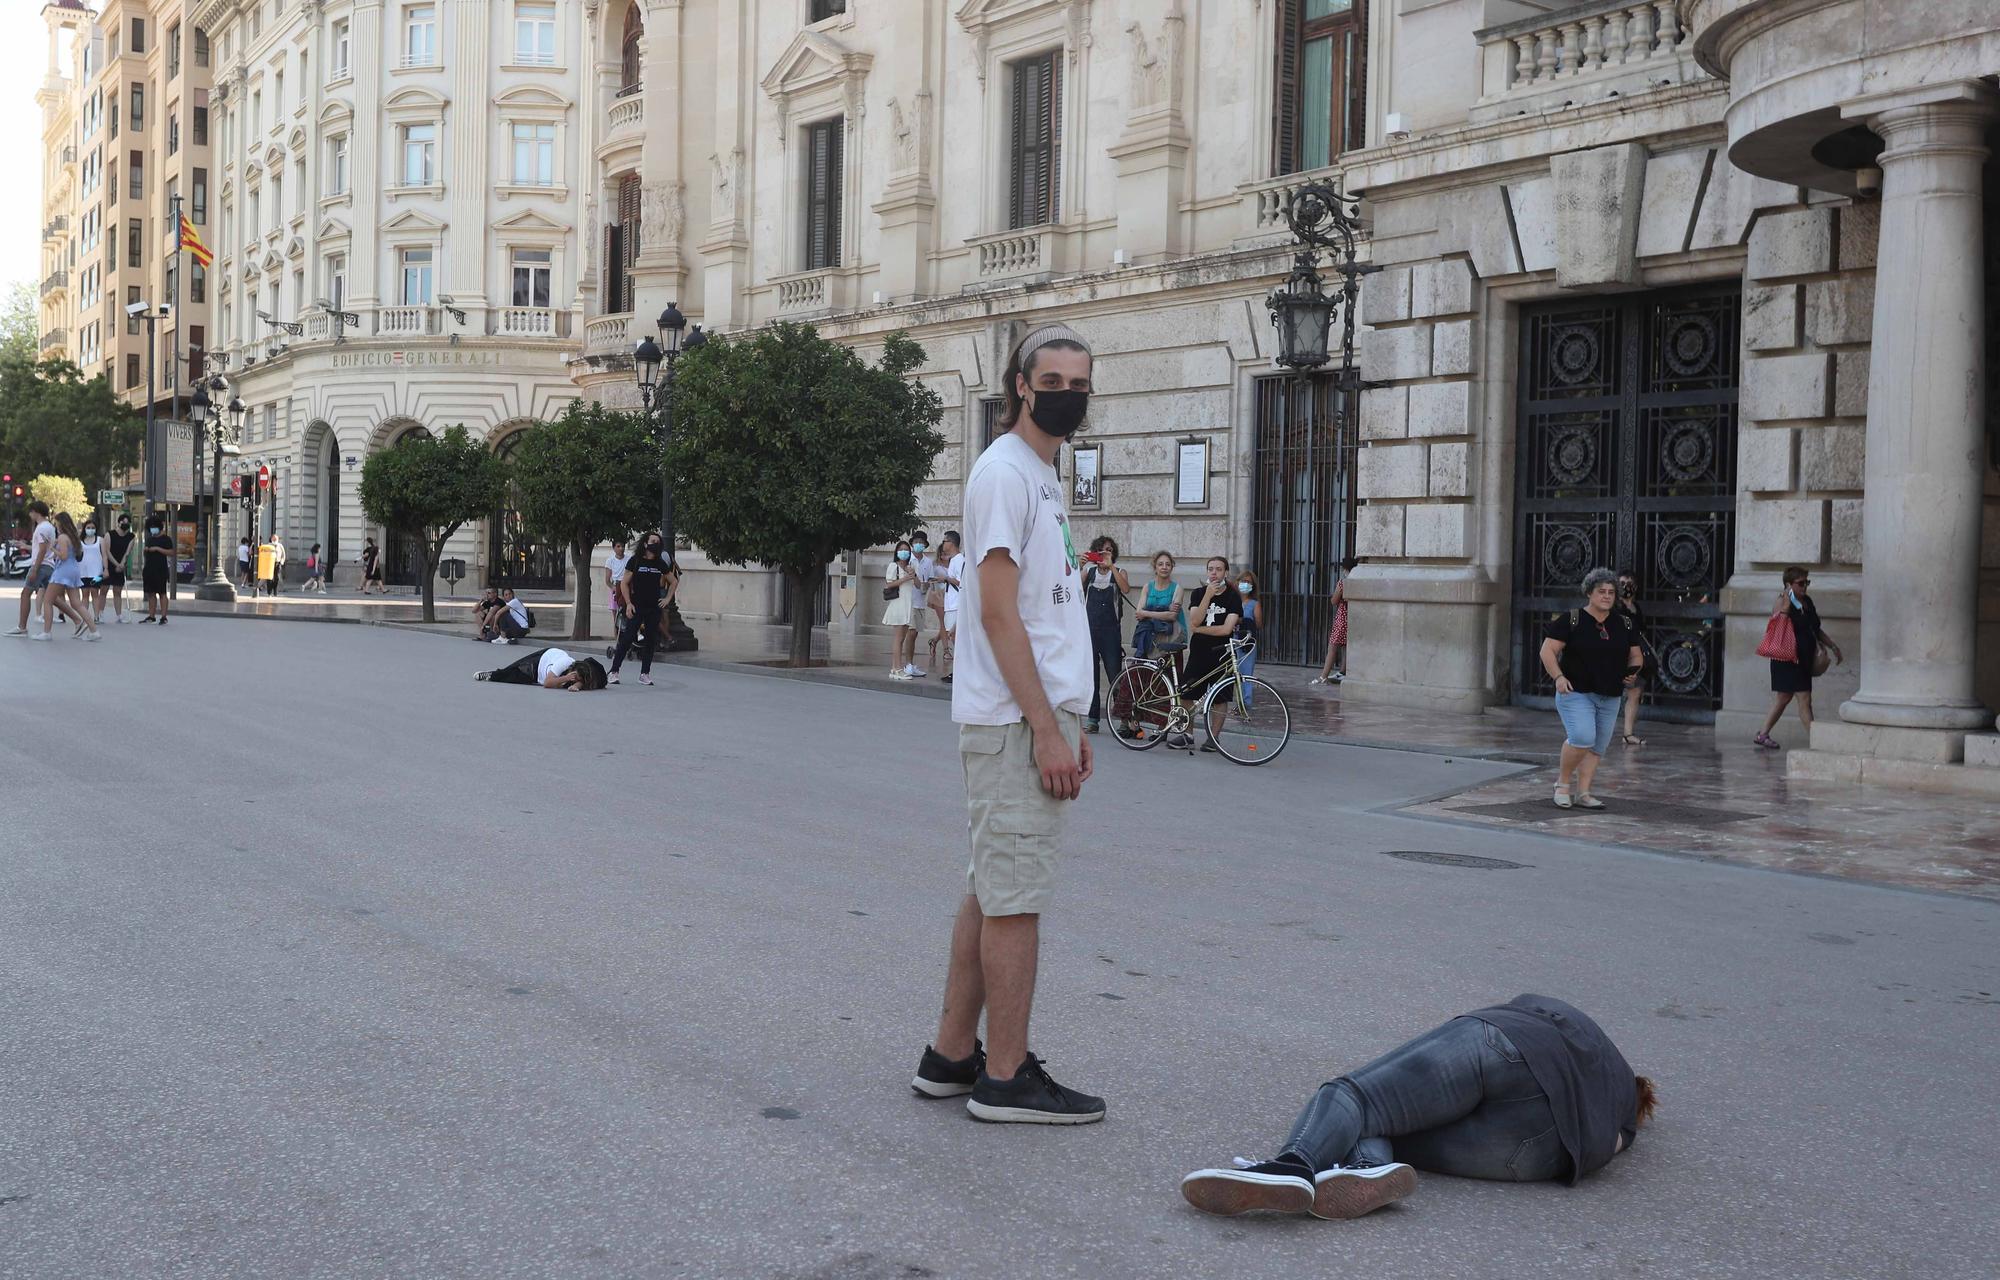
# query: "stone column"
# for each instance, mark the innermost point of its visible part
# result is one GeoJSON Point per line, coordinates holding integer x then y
{"type": "Point", "coordinates": [657, 274]}
{"type": "Point", "coordinates": [466, 139]}
{"type": "Point", "coordinates": [1926, 404]}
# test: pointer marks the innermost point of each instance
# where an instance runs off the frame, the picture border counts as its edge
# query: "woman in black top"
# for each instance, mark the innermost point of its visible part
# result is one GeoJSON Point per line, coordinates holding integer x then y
{"type": "Point", "coordinates": [371, 568]}
{"type": "Point", "coordinates": [1527, 1091]}
{"type": "Point", "coordinates": [1628, 605]}
{"type": "Point", "coordinates": [1790, 680]}
{"type": "Point", "coordinates": [1592, 655]}
{"type": "Point", "coordinates": [643, 591]}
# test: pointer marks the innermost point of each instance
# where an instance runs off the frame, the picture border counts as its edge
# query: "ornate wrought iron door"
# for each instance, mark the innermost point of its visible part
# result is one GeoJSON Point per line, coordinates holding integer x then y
{"type": "Point", "coordinates": [514, 558]}
{"type": "Point", "coordinates": [1626, 459]}
{"type": "Point", "coordinates": [1302, 518]}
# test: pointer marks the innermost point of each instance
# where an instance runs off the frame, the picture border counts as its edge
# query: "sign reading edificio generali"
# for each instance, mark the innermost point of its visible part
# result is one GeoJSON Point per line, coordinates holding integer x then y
{"type": "Point", "coordinates": [449, 357]}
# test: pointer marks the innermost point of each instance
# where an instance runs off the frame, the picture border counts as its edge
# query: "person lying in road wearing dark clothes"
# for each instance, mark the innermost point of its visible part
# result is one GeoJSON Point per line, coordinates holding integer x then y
{"type": "Point", "coordinates": [551, 669]}
{"type": "Point", "coordinates": [1526, 1091]}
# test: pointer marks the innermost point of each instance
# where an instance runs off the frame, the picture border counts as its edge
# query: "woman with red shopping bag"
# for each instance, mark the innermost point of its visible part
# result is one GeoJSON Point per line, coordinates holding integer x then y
{"type": "Point", "coordinates": [1798, 651]}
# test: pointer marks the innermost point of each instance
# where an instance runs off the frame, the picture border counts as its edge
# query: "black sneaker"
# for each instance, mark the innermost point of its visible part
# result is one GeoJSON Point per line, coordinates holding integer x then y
{"type": "Point", "coordinates": [1275, 1186]}
{"type": "Point", "coordinates": [1031, 1097]}
{"type": "Point", "coordinates": [939, 1077]}
{"type": "Point", "coordinates": [1351, 1191]}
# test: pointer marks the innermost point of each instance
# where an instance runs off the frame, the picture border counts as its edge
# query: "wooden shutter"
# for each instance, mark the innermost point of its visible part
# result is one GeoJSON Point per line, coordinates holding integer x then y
{"type": "Point", "coordinates": [1285, 96]}
{"type": "Point", "coordinates": [823, 191]}
{"type": "Point", "coordinates": [614, 269]}
{"type": "Point", "coordinates": [1355, 118]}
{"type": "Point", "coordinates": [1036, 142]}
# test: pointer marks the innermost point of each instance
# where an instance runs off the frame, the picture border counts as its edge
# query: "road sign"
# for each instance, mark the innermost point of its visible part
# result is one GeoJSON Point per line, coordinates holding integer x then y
{"type": "Point", "coordinates": [263, 477]}
{"type": "Point", "coordinates": [111, 498]}
{"type": "Point", "coordinates": [236, 486]}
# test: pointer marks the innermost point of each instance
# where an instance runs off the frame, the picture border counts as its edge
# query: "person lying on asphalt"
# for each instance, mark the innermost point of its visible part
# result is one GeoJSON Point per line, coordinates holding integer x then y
{"type": "Point", "coordinates": [1527, 1091]}
{"type": "Point", "coordinates": [551, 669]}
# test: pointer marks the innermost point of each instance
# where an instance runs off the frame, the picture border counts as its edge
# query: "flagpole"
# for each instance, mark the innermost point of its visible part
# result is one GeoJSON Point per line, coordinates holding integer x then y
{"type": "Point", "coordinates": [174, 381]}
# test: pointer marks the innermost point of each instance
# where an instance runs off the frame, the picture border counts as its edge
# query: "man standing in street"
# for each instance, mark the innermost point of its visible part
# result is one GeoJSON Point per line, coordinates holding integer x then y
{"type": "Point", "coordinates": [277, 562]}
{"type": "Point", "coordinates": [41, 563]}
{"type": "Point", "coordinates": [1023, 684]}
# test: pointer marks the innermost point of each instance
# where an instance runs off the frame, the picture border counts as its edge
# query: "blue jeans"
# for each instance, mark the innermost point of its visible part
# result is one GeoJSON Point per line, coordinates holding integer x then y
{"type": "Point", "coordinates": [1588, 719]}
{"type": "Point", "coordinates": [1459, 1100]}
{"type": "Point", "coordinates": [1147, 631]}
{"type": "Point", "coordinates": [1107, 650]}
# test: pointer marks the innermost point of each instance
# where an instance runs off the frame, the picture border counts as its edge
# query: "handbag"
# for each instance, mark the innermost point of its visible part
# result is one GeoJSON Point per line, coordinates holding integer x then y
{"type": "Point", "coordinates": [890, 593]}
{"type": "Point", "coordinates": [1781, 643]}
{"type": "Point", "coordinates": [1822, 659]}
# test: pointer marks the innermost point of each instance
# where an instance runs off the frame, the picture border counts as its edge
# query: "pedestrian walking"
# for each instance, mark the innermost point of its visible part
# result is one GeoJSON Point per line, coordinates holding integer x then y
{"type": "Point", "coordinates": [41, 562]}
{"type": "Point", "coordinates": [1635, 617]}
{"type": "Point", "coordinates": [513, 620]}
{"type": "Point", "coordinates": [1023, 685]}
{"type": "Point", "coordinates": [1334, 669]}
{"type": "Point", "coordinates": [315, 571]}
{"type": "Point", "coordinates": [371, 568]}
{"type": "Point", "coordinates": [1528, 1091]}
{"type": "Point", "coordinates": [246, 572]}
{"type": "Point", "coordinates": [952, 552]}
{"type": "Point", "coordinates": [1105, 588]}
{"type": "Point", "coordinates": [159, 549]}
{"type": "Point", "coordinates": [277, 562]}
{"type": "Point", "coordinates": [643, 591]}
{"type": "Point", "coordinates": [551, 669]}
{"type": "Point", "coordinates": [900, 591]}
{"type": "Point", "coordinates": [64, 594]}
{"type": "Point", "coordinates": [1215, 612]}
{"type": "Point", "coordinates": [117, 565]}
{"type": "Point", "coordinates": [91, 552]}
{"type": "Point", "coordinates": [1593, 656]}
{"type": "Point", "coordinates": [1252, 628]}
{"type": "Point", "coordinates": [1792, 677]}
{"type": "Point", "coordinates": [614, 571]}
{"type": "Point", "coordinates": [1160, 615]}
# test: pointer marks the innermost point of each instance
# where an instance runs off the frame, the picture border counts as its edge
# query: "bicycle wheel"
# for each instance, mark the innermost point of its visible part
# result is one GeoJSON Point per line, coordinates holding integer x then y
{"type": "Point", "coordinates": [1141, 708]}
{"type": "Point", "coordinates": [1253, 733]}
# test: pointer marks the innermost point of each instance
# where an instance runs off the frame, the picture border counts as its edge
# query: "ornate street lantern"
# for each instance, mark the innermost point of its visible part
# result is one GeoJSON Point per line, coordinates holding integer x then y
{"type": "Point", "coordinates": [1322, 219]}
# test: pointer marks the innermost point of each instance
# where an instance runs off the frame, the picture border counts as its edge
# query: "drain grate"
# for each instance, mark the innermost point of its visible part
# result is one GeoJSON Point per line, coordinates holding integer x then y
{"type": "Point", "coordinates": [1433, 858]}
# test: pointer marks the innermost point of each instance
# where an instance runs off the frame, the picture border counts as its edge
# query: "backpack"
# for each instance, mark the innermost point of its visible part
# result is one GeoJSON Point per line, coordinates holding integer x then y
{"type": "Point", "coordinates": [531, 616]}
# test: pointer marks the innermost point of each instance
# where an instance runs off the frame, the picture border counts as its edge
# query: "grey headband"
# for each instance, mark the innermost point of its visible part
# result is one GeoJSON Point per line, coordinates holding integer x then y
{"type": "Point", "coordinates": [1042, 337]}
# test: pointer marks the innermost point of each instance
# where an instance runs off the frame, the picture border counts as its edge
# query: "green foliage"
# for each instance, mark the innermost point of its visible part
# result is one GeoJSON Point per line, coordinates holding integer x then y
{"type": "Point", "coordinates": [19, 323]}
{"type": "Point", "coordinates": [426, 487]}
{"type": "Point", "coordinates": [54, 420]}
{"type": "Point", "coordinates": [585, 478]}
{"type": "Point", "coordinates": [62, 494]}
{"type": "Point", "coordinates": [788, 449]}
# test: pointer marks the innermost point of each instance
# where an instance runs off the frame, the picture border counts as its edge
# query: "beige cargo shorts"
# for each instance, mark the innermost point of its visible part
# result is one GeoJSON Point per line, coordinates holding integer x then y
{"type": "Point", "coordinates": [1015, 824]}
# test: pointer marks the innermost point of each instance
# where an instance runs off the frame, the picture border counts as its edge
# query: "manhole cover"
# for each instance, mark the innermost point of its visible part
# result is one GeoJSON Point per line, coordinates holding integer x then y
{"type": "Point", "coordinates": [1431, 857]}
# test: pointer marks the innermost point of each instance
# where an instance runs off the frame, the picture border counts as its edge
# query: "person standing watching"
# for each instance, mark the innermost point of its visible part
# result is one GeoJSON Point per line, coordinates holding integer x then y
{"type": "Point", "coordinates": [952, 559]}
{"type": "Point", "coordinates": [244, 568]}
{"type": "Point", "coordinates": [1215, 611]}
{"type": "Point", "coordinates": [1635, 616]}
{"type": "Point", "coordinates": [159, 563]}
{"type": "Point", "coordinates": [1024, 682]}
{"type": "Point", "coordinates": [899, 589]}
{"type": "Point", "coordinates": [614, 573]}
{"type": "Point", "coordinates": [41, 562]}
{"type": "Point", "coordinates": [642, 595]}
{"type": "Point", "coordinates": [1105, 587]}
{"type": "Point", "coordinates": [118, 564]}
{"type": "Point", "coordinates": [277, 562]}
{"type": "Point", "coordinates": [1593, 656]}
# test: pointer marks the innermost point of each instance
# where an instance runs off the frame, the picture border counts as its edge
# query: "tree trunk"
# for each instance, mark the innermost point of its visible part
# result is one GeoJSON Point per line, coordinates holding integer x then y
{"type": "Point", "coordinates": [433, 552]}
{"type": "Point", "coordinates": [579, 623]}
{"type": "Point", "coordinates": [805, 588]}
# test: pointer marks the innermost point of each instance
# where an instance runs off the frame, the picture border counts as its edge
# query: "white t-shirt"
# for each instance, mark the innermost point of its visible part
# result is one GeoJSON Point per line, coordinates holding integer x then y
{"type": "Point", "coordinates": [554, 662]}
{"type": "Point", "coordinates": [43, 544]}
{"type": "Point", "coordinates": [1013, 500]}
{"type": "Point", "coordinates": [926, 567]}
{"type": "Point", "coordinates": [243, 553]}
{"type": "Point", "coordinates": [956, 572]}
{"type": "Point", "coordinates": [277, 554]}
{"type": "Point", "coordinates": [615, 566]}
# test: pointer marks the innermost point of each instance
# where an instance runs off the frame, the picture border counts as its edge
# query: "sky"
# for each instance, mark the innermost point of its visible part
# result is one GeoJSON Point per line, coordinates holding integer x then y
{"type": "Point", "coordinates": [24, 46]}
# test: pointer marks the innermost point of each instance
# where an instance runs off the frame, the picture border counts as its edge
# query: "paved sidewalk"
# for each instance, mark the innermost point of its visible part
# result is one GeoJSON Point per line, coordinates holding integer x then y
{"type": "Point", "coordinates": [1684, 792]}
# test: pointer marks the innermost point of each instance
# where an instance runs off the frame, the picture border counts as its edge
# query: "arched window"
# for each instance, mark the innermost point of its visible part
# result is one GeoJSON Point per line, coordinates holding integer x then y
{"type": "Point", "coordinates": [628, 49]}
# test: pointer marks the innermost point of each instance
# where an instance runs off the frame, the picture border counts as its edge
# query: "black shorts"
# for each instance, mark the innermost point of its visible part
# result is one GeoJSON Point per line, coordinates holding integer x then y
{"type": "Point", "coordinates": [156, 582]}
{"type": "Point", "coordinates": [114, 580]}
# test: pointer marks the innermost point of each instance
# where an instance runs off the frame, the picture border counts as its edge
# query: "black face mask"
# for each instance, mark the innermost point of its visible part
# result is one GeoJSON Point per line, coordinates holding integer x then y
{"type": "Point", "coordinates": [1059, 413]}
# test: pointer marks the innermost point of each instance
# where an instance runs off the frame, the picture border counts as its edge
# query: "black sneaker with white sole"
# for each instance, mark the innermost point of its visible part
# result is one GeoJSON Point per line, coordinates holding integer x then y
{"type": "Point", "coordinates": [1031, 1097]}
{"type": "Point", "coordinates": [940, 1077]}
{"type": "Point", "coordinates": [1350, 1192]}
{"type": "Point", "coordinates": [1275, 1186]}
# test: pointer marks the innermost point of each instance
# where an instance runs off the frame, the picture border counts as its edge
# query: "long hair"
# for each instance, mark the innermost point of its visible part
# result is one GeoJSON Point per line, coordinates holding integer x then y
{"type": "Point", "coordinates": [1649, 1097]}
{"type": "Point", "coordinates": [592, 672]}
{"type": "Point", "coordinates": [67, 528]}
{"type": "Point", "coordinates": [1010, 411]}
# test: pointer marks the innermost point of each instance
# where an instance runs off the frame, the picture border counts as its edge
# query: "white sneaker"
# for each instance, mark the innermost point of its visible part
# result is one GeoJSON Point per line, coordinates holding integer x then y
{"type": "Point", "coordinates": [93, 634]}
{"type": "Point", "coordinates": [39, 635]}
{"type": "Point", "coordinates": [18, 631]}
{"type": "Point", "coordinates": [611, 677]}
{"type": "Point", "coordinates": [896, 674]}
{"type": "Point", "coordinates": [914, 671]}
{"type": "Point", "coordinates": [503, 640]}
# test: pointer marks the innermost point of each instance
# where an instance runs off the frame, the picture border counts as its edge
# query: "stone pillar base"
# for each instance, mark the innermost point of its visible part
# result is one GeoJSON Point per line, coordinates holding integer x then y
{"type": "Point", "coordinates": [1931, 746]}
{"type": "Point", "coordinates": [1470, 702]}
{"type": "Point", "coordinates": [1904, 775]}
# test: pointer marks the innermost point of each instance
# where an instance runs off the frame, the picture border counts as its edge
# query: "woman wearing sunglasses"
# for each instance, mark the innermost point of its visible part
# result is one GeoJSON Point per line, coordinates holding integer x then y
{"type": "Point", "coordinates": [1593, 656]}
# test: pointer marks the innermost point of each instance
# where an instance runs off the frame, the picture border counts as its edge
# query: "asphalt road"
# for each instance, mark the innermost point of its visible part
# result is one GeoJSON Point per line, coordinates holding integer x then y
{"type": "Point", "coordinates": [318, 958]}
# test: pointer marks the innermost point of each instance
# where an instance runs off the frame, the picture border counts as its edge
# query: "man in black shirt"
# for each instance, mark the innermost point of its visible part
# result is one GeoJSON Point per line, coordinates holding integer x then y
{"type": "Point", "coordinates": [1527, 1091]}
{"type": "Point", "coordinates": [643, 592]}
{"type": "Point", "coordinates": [159, 564]}
{"type": "Point", "coordinates": [1215, 610]}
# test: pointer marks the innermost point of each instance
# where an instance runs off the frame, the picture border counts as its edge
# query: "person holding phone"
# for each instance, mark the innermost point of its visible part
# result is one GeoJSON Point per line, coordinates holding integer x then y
{"type": "Point", "coordinates": [1792, 681]}
{"type": "Point", "coordinates": [1593, 656]}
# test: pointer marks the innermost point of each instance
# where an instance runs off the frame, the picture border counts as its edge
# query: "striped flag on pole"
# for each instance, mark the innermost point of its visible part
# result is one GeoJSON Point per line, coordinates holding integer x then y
{"type": "Point", "coordinates": [191, 241]}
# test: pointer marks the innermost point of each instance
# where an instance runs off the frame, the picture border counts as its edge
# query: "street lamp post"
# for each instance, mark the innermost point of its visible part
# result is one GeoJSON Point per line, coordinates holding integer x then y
{"type": "Point", "coordinates": [204, 411]}
{"type": "Point", "coordinates": [653, 362]}
{"type": "Point", "coordinates": [1323, 220]}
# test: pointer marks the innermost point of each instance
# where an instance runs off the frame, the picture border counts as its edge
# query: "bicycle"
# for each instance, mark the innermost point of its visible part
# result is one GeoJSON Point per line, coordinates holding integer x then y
{"type": "Point", "coordinates": [1149, 707]}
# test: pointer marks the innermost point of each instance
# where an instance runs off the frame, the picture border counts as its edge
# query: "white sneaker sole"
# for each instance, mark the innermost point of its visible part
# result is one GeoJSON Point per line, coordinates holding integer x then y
{"type": "Point", "coordinates": [1024, 1115]}
{"type": "Point", "coordinates": [1228, 1192]}
{"type": "Point", "coordinates": [1350, 1193]}
{"type": "Point", "coordinates": [939, 1088]}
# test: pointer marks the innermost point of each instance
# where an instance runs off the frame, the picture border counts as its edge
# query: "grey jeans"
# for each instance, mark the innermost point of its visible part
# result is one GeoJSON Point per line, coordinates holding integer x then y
{"type": "Point", "coordinates": [1458, 1100]}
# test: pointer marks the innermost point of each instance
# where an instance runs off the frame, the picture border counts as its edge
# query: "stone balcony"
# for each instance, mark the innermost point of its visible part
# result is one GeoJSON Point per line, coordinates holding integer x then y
{"type": "Point", "coordinates": [608, 335]}
{"type": "Point", "coordinates": [406, 322]}
{"type": "Point", "coordinates": [1011, 257]}
{"type": "Point", "coordinates": [52, 339]}
{"type": "Point", "coordinates": [627, 118]}
{"type": "Point", "coordinates": [1593, 52]}
{"type": "Point", "coordinates": [530, 322]}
